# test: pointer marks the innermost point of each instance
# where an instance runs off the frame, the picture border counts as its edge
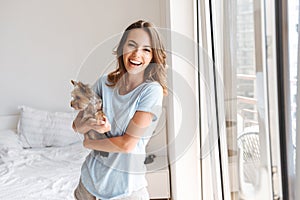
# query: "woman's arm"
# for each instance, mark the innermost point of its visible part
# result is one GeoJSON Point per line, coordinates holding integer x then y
{"type": "Point", "coordinates": [127, 142]}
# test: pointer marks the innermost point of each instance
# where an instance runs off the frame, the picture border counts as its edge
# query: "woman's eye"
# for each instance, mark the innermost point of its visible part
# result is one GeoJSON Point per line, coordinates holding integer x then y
{"type": "Point", "coordinates": [148, 50]}
{"type": "Point", "coordinates": [131, 45]}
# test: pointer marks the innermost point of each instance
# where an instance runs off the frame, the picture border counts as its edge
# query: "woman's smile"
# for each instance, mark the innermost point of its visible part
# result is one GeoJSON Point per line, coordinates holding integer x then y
{"type": "Point", "coordinates": [134, 62]}
{"type": "Point", "coordinates": [137, 51]}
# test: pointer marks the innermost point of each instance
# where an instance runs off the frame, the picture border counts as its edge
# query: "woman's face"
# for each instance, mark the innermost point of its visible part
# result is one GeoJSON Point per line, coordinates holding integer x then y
{"type": "Point", "coordinates": [137, 51]}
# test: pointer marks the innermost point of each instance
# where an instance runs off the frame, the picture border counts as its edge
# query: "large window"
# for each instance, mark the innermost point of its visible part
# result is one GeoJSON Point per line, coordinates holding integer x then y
{"type": "Point", "coordinates": [239, 35]}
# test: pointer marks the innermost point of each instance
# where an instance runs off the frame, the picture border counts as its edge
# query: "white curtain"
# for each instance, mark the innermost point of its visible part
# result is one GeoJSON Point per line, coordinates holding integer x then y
{"type": "Point", "coordinates": [298, 118]}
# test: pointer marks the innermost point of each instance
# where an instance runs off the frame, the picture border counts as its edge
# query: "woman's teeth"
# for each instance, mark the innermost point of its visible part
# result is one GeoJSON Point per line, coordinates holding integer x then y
{"type": "Point", "coordinates": [135, 62]}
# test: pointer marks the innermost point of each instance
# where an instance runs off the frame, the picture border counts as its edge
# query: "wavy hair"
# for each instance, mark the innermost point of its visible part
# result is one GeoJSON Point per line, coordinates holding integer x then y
{"type": "Point", "coordinates": [157, 68]}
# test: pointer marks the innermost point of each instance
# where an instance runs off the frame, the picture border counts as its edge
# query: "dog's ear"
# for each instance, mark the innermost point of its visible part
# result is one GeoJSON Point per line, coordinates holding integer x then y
{"type": "Point", "coordinates": [74, 82]}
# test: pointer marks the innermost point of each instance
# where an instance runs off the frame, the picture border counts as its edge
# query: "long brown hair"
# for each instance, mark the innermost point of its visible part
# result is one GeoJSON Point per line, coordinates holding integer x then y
{"type": "Point", "coordinates": [157, 68]}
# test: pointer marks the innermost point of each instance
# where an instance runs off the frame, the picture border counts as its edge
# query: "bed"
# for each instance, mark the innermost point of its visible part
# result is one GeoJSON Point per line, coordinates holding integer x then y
{"type": "Point", "coordinates": [37, 164]}
{"type": "Point", "coordinates": [50, 172]}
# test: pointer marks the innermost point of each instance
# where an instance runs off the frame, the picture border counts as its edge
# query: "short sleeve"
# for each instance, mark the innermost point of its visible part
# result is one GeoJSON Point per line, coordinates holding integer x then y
{"type": "Point", "coordinates": [151, 100]}
{"type": "Point", "coordinates": [97, 87]}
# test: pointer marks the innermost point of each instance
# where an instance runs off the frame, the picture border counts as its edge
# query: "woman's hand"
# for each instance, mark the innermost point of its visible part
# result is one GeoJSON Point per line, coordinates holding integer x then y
{"type": "Point", "coordinates": [102, 126]}
{"type": "Point", "coordinates": [83, 126]}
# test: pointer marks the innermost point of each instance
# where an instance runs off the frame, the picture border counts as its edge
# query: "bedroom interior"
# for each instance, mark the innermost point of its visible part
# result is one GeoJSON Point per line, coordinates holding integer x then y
{"type": "Point", "coordinates": [225, 129]}
{"type": "Point", "coordinates": [44, 46]}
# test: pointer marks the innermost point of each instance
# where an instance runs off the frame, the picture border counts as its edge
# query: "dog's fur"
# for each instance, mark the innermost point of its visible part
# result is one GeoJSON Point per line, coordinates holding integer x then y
{"type": "Point", "coordinates": [86, 100]}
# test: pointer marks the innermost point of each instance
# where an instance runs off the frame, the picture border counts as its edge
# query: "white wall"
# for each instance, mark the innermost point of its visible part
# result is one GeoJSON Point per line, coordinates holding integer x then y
{"type": "Point", "coordinates": [44, 43]}
{"type": "Point", "coordinates": [183, 118]}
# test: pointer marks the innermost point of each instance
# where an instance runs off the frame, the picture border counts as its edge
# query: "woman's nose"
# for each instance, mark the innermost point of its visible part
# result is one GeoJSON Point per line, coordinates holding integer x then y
{"type": "Point", "coordinates": [137, 51]}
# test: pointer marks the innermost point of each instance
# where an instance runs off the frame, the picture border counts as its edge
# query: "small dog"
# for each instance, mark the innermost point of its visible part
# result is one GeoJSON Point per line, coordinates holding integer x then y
{"type": "Point", "coordinates": [86, 100]}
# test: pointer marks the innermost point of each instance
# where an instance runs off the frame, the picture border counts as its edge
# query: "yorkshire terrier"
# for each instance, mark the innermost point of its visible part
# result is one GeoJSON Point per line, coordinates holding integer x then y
{"type": "Point", "coordinates": [86, 100]}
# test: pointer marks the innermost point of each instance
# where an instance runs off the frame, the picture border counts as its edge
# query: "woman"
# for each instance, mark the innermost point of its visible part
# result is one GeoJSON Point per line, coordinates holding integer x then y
{"type": "Point", "coordinates": [132, 101]}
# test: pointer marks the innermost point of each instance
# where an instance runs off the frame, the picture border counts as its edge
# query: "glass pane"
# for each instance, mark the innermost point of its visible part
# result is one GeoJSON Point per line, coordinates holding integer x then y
{"type": "Point", "coordinates": [248, 138]}
{"type": "Point", "coordinates": [247, 102]}
{"type": "Point", "coordinates": [293, 15]}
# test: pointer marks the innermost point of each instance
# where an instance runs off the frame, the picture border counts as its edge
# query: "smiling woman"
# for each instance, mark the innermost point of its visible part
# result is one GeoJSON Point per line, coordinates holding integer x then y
{"type": "Point", "coordinates": [137, 54]}
{"type": "Point", "coordinates": [141, 46]}
{"type": "Point", "coordinates": [137, 51]}
{"type": "Point", "coordinates": [132, 102]}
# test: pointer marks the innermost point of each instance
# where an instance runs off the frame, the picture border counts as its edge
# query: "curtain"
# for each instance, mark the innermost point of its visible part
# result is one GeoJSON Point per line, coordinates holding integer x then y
{"type": "Point", "coordinates": [298, 118]}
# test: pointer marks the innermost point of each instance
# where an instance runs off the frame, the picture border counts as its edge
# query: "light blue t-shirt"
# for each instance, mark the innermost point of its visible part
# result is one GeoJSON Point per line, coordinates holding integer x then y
{"type": "Point", "coordinates": [120, 174]}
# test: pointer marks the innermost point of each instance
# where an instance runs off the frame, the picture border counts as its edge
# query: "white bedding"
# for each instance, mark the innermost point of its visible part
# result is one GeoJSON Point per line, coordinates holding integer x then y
{"type": "Point", "coordinates": [41, 173]}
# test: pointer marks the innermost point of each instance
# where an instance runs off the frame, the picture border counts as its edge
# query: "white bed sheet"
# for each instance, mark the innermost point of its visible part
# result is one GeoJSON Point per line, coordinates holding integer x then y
{"type": "Point", "coordinates": [45, 173]}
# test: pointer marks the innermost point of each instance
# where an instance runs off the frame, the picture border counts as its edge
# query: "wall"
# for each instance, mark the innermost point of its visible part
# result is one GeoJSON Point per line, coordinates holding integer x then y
{"type": "Point", "coordinates": [183, 117]}
{"type": "Point", "coordinates": [45, 44]}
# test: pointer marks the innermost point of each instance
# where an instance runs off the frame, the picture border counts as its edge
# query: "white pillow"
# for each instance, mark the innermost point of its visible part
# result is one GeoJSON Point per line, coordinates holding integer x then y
{"type": "Point", "coordinates": [9, 139]}
{"type": "Point", "coordinates": [39, 128]}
